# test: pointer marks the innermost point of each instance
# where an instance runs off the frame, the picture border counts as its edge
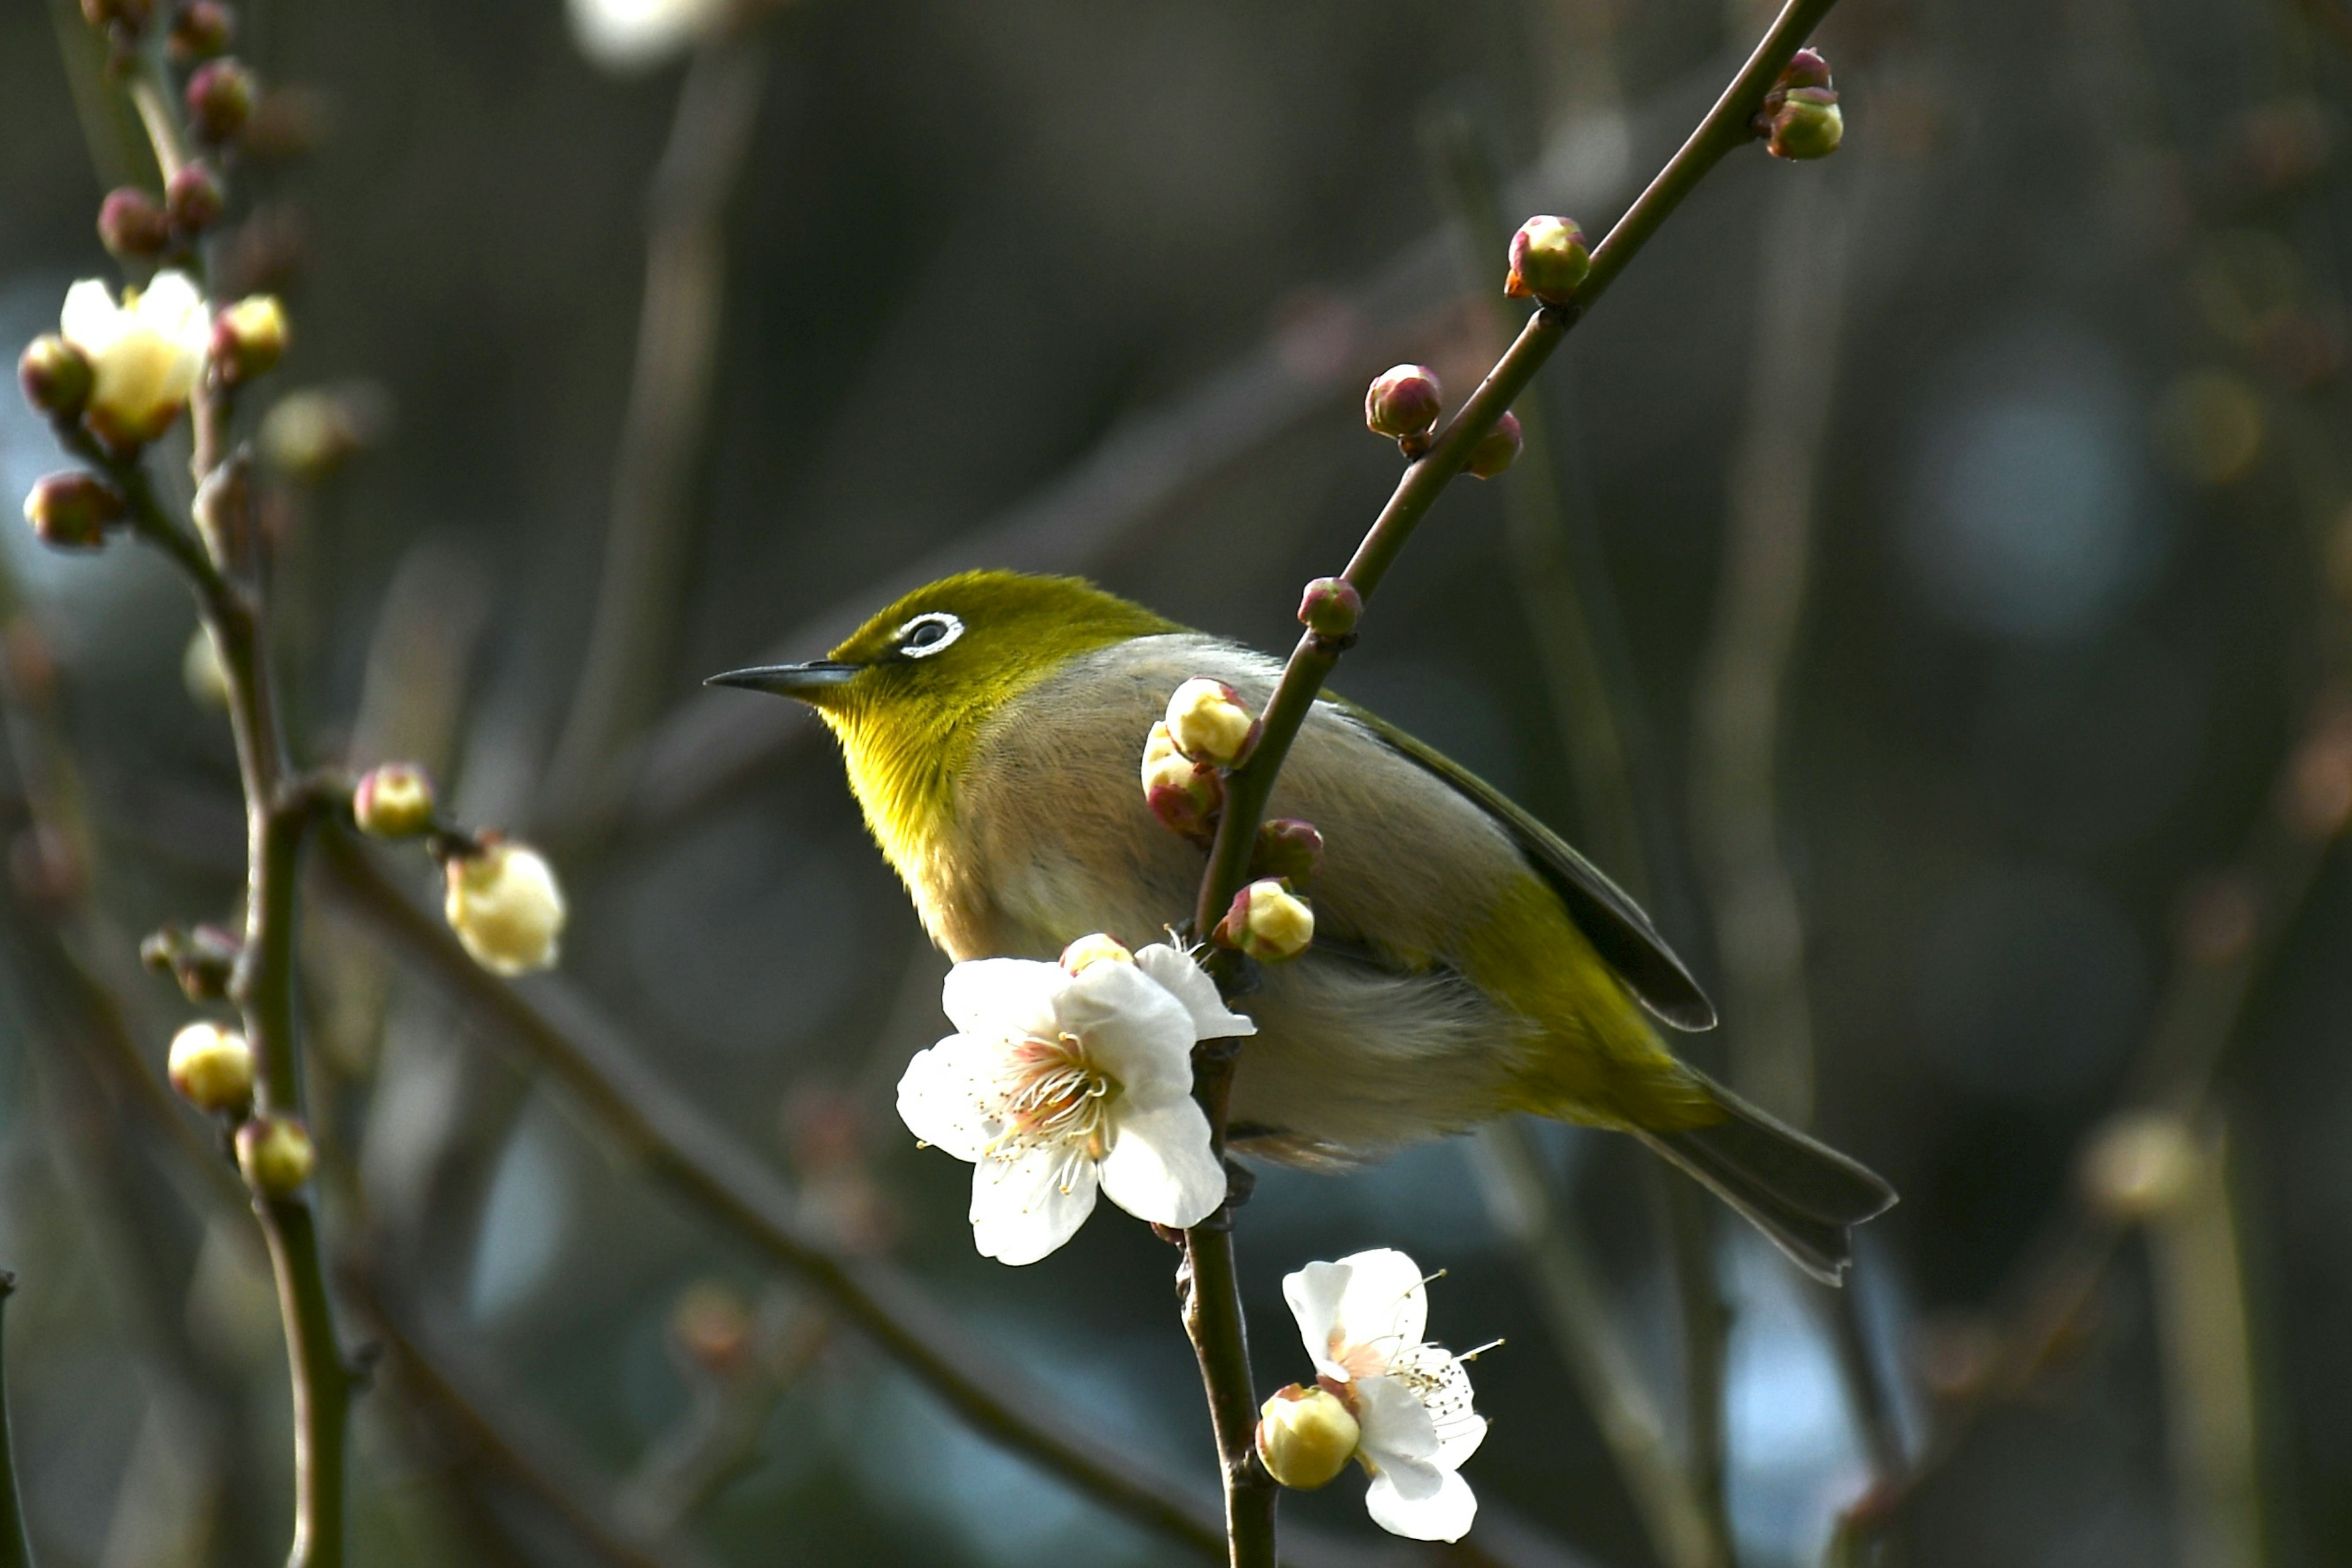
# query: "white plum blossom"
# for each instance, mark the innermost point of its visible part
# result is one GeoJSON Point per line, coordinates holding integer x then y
{"type": "Point", "coordinates": [632, 35]}
{"type": "Point", "coordinates": [146, 353]}
{"type": "Point", "coordinates": [1363, 1318]}
{"type": "Point", "coordinates": [506, 906]}
{"type": "Point", "coordinates": [1065, 1078]}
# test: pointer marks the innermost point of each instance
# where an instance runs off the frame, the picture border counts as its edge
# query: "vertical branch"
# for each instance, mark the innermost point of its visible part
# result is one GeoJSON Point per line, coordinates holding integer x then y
{"type": "Point", "coordinates": [16, 1546]}
{"type": "Point", "coordinates": [647, 540]}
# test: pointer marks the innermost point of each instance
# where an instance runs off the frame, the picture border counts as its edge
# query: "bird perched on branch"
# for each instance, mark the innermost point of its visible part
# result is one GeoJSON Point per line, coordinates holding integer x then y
{"type": "Point", "coordinates": [1466, 962]}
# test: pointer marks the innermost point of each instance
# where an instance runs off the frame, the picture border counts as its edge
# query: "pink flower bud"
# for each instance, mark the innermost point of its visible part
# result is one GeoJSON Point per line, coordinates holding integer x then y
{"type": "Point", "coordinates": [1209, 722]}
{"type": "Point", "coordinates": [220, 99]}
{"type": "Point", "coordinates": [1184, 795]}
{"type": "Point", "coordinates": [131, 224]}
{"type": "Point", "coordinates": [394, 801]}
{"type": "Point", "coordinates": [1807, 67]}
{"type": "Point", "coordinates": [201, 30]}
{"type": "Point", "coordinates": [1330, 607]}
{"type": "Point", "coordinates": [1548, 260]}
{"type": "Point", "coordinates": [1403, 402]}
{"type": "Point", "coordinates": [1287, 849]}
{"type": "Point", "coordinates": [1498, 450]}
{"type": "Point", "coordinates": [73, 510]}
{"type": "Point", "coordinates": [212, 1067]}
{"type": "Point", "coordinates": [55, 376]}
{"type": "Point", "coordinates": [276, 1154]}
{"type": "Point", "coordinates": [1268, 921]}
{"type": "Point", "coordinates": [193, 200]}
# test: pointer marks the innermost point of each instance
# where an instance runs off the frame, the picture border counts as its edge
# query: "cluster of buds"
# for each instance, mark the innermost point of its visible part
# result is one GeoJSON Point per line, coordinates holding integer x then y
{"type": "Point", "coordinates": [213, 1069]}
{"type": "Point", "coordinates": [1207, 729]}
{"type": "Point", "coordinates": [1800, 118]}
{"type": "Point", "coordinates": [1548, 261]}
{"type": "Point", "coordinates": [136, 226]}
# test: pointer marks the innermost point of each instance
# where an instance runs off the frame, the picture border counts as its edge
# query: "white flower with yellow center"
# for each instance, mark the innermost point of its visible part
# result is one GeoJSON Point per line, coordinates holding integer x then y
{"type": "Point", "coordinates": [1063, 1079]}
{"type": "Point", "coordinates": [1363, 1318]}
{"type": "Point", "coordinates": [144, 353]}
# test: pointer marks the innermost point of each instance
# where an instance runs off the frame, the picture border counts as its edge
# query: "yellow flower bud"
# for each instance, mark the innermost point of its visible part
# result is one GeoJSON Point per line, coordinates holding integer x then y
{"type": "Point", "coordinates": [1209, 723]}
{"type": "Point", "coordinates": [505, 906]}
{"type": "Point", "coordinates": [1185, 794]}
{"type": "Point", "coordinates": [1305, 1437]}
{"type": "Point", "coordinates": [2139, 1165]}
{"type": "Point", "coordinates": [1268, 921]}
{"type": "Point", "coordinates": [212, 1067]}
{"type": "Point", "coordinates": [249, 337]}
{"type": "Point", "coordinates": [1548, 260]}
{"type": "Point", "coordinates": [276, 1154]}
{"type": "Point", "coordinates": [1088, 951]}
{"type": "Point", "coordinates": [394, 801]}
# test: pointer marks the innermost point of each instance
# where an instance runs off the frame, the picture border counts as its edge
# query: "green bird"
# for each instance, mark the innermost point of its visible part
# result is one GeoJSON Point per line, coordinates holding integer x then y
{"type": "Point", "coordinates": [1466, 962]}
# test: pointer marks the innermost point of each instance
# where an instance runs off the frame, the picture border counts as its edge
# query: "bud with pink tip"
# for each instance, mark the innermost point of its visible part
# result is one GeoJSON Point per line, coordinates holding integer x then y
{"type": "Point", "coordinates": [201, 30]}
{"type": "Point", "coordinates": [192, 199]}
{"type": "Point", "coordinates": [1330, 607]}
{"type": "Point", "coordinates": [1210, 724]}
{"type": "Point", "coordinates": [1403, 402]}
{"type": "Point", "coordinates": [55, 376]}
{"type": "Point", "coordinates": [1800, 118]}
{"type": "Point", "coordinates": [131, 224]}
{"type": "Point", "coordinates": [212, 1067]}
{"type": "Point", "coordinates": [73, 510]}
{"type": "Point", "coordinates": [394, 801]}
{"type": "Point", "coordinates": [250, 338]}
{"type": "Point", "coordinates": [1287, 849]}
{"type": "Point", "coordinates": [1548, 261]}
{"type": "Point", "coordinates": [1498, 450]}
{"type": "Point", "coordinates": [1305, 1437]}
{"type": "Point", "coordinates": [1184, 795]}
{"type": "Point", "coordinates": [1807, 67]}
{"type": "Point", "coordinates": [1268, 921]}
{"type": "Point", "coordinates": [276, 1154]}
{"type": "Point", "coordinates": [220, 99]}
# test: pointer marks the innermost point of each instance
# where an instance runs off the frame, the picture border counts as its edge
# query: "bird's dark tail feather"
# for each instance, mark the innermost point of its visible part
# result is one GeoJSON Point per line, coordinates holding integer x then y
{"type": "Point", "coordinates": [1804, 1195]}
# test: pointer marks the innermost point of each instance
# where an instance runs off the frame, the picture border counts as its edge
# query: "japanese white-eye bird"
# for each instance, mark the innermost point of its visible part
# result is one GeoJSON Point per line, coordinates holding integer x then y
{"type": "Point", "coordinates": [1466, 962]}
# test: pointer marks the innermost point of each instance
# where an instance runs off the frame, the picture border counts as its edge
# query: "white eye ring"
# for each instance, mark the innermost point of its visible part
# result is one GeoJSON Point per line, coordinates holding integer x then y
{"type": "Point", "coordinates": [949, 628]}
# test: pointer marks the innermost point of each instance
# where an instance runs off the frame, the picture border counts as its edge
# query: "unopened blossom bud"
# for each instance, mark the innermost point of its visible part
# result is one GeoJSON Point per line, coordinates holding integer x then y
{"type": "Point", "coordinates": [1808, 125]}
{"type": "Point", "coordinates": [1403, 402]}
{"type": "Point", "coordinates": [308, 435]}
{"type": "Point", "coordinates": [1209, 722]}
{"type": "Point", "coordinates": [250, 338]}
{"type": "Point", "coordinates": [1807, 67]}
{"type": "Point", "coordinates": [276, 1154]}
{"type": "Point", "coordinates": [1286, 848]}
{"type": "Point", "coordinates": [201, 30]}
{"type": "Point", "coordinates": [1305, 1437]}
{"type": "Point", "coordinates": [1498, 450]}
{"type": "Point", "coordinates": [394, 801]}
{"type": "Point", "coordinates": [194, 199]}
{"type": "Point", "coordinates": [2139, 1164]}
{"type": "Point", "coordinates": [1548, 260]}
{"type": "Point", "coordinates": [505, 906]}
{"type": "Point", "coordinates": [1183, 794]}
{"type": "Point", "coordinates": [220, 99]}
{"type": "Point", "coordinates": [73, 510]}
{"type": "Point", "coordinates": [1268, 921]}
{"type": "Point", "coordinates": [1089, 951]}
{"type": "Point", "coordinates": [1330, 607]}
{"type": "Point", "coordinates": [131, 224]}
{"type": "Point", "coordinates": [212, 1067]}
{"type": "Point", "coordinates": [201, 959]}
{"type": "Point", "coordinates": [202, 671]}
{"type": "Point", "coordinates": [55, 376]}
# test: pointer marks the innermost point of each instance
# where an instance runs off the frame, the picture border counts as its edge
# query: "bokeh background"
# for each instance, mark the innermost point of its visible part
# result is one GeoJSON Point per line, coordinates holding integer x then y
{"type": "Point", "coordinates": [1928, 586]}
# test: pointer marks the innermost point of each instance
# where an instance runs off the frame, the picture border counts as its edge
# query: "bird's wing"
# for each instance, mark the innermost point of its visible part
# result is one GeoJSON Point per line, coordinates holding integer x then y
{"type": "Point", "coordinates": [1610, 921]}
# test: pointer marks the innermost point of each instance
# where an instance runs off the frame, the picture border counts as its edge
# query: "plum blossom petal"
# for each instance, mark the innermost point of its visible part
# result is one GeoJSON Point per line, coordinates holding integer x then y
{"type": "Point", "coordinates": [1028, 1207]}
{"type": "Point", "coordinates": [1133, 1028]}
{"type": "Point", "coordinates": [1161, 1167]}
{"type": "Point", "coordinates": [1003, 998]}
{"type": "Point", "coordinates": [1190, 984]}
{"type": "Point", "coordinates": [1402, 1503]}
{"type": "Point", "coordinates": [942, 1097]}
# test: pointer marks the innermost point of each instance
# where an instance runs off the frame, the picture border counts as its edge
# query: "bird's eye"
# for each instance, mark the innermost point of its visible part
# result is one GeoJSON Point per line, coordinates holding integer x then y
{"type": "Point", "coordinates": [929, 633]}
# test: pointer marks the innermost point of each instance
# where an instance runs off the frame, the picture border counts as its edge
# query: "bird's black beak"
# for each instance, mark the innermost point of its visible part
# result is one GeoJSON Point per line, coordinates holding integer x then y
{"type": "Point", "coordinates": [805, 681]}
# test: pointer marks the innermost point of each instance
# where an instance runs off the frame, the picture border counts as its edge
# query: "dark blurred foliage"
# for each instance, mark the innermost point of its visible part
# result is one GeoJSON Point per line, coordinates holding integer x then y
{"type": "Point", "coordinates": [2080, 492]}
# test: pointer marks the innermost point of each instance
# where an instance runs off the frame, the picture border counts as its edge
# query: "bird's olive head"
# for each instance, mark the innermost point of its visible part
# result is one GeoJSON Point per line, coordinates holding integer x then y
{"type": "Point", "coordinates": [949, 654]}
